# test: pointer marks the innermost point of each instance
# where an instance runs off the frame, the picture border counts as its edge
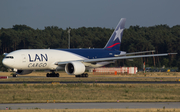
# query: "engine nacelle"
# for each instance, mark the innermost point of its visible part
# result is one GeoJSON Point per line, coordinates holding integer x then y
{"type": "Point", "coordinates": [75, 68]}
{"type": "Point", "coordinates": [23, 72]}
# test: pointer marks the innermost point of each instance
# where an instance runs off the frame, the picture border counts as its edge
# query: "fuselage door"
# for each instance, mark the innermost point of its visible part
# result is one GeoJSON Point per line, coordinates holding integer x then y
{"type": "Point", "coordinates": [23, 58]}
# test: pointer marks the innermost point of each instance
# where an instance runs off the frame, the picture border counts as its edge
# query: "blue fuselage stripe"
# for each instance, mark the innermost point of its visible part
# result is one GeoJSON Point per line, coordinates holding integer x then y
{"type": "Point", "coordinates": [93, 53]}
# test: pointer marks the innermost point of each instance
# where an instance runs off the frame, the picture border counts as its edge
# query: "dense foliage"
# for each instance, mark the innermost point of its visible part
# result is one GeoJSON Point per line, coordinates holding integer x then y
{"type": "Point", "coordinates": [160, 38]}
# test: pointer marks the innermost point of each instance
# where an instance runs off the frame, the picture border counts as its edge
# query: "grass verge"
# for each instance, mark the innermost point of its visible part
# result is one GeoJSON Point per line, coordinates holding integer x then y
{"type": "Point", "coordinates": [34, 93]}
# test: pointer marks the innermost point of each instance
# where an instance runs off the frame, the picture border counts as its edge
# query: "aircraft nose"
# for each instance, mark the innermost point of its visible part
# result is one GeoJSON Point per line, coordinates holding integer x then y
{"type": "Point", "coordinates": [6, 63]}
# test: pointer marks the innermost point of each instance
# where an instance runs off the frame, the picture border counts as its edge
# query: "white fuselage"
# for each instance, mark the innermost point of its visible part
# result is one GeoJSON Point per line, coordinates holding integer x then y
{"type": "Point", "coordinates": [38, 59]}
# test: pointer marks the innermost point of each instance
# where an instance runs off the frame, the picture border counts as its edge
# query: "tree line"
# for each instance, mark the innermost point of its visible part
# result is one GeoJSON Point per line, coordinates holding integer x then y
{"type": "Point", "coordinates": [160, 38]}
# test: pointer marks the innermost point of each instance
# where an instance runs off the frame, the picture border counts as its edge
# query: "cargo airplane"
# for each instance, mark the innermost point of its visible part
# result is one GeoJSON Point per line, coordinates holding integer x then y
{"type": "Point", "coordinates": [74, 61]}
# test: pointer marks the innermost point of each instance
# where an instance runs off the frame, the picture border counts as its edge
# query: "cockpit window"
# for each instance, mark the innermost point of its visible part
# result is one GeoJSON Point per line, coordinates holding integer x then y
{"type": "Point", "coordinates": [9, 57]}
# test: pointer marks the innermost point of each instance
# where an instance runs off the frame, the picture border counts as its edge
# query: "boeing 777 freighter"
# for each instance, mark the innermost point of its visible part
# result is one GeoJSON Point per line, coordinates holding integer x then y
{"type": "Point", "coordinates": [74, 61]}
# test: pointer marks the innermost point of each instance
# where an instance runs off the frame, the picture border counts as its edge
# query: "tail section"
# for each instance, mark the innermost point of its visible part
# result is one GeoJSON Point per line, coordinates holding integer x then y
{"type": "Point", "coordinates": [115, 39]}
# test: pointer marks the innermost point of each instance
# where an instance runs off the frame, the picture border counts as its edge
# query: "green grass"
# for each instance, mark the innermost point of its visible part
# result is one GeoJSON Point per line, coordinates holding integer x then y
{"type": "Point", "coordinates": [22, 93]}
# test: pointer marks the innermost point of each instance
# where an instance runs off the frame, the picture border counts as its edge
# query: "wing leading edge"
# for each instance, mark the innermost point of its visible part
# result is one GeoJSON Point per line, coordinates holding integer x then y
{"type": "Point", "coordinates": [112, 58]}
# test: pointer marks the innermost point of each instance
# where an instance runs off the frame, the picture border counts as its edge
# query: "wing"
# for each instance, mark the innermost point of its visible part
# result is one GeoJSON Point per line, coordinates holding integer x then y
{"type": "Point", "coordinates": [112, 58]}
{"type": "Point", "coordinates": [124, 57]}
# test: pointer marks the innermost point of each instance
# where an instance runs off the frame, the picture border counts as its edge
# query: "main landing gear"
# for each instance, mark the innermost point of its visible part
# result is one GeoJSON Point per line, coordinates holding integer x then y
{"type": "Point", "coordinates": [53, 74]}
{"type": "Point", "coordinates": [82, 75]}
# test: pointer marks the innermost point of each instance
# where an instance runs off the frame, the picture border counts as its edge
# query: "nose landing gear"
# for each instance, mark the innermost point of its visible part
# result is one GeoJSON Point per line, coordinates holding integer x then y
{"type": "Point", "coordinates": [14, 75]}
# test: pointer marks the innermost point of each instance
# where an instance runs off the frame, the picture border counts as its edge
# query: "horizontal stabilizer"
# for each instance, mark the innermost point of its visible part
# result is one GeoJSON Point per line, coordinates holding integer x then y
{"type": "Point", "coordinates": [135, 53]}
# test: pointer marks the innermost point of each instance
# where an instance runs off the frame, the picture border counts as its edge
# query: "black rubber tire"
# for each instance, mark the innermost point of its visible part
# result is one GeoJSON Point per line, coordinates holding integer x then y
{"type": "Point", "coordinates": [86, 75]}
{"type": "Point", "coordinates": [77, 75]}
{"type": "Point", "coordinates": [57, 74]}
{"type": "Point", "coordinates": [47, 75]}
{"type": "Point", "coordinates": [14, 75]}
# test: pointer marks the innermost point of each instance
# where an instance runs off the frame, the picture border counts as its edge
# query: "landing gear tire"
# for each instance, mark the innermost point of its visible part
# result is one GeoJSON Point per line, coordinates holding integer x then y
{"type": "Point", "coordinates": [57, 74]}
{"type": "Point", "coordinates": [86, 75]}
{"type": "Point", "coordinates": [14, 75]}
{"type": "Point", "coordinates": [47, 75]}
{"type": "Point", "coordinates": [82, 75]}
{"type": "Point", "coordinates": [52, 74]}
{"type": "Point", "coordinates": [78, 75]}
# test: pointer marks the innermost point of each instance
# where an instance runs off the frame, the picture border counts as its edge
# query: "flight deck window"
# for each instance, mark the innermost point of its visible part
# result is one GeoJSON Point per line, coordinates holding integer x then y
{"type": "Point", "coordinates": [11, 57]}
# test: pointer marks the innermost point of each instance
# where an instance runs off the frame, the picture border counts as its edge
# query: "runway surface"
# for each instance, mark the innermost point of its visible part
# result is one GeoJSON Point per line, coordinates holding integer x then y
{"type": "Point", "coordinates": [91, 82]}
{"type": "Point", "coordinates": [88, 77]}
{"type": "Point", "coordinates": [89, 105]}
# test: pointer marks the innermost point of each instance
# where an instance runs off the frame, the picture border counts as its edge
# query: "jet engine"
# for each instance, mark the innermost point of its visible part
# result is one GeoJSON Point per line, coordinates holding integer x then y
{"type": "Point", "coordinates": [23, 72]}
{"type": "Point", "coordinates": [75, 68]}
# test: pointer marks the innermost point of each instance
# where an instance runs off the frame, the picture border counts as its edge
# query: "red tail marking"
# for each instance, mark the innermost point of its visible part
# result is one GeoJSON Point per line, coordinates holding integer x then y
{"type": "Point", "coordinates": [113, 45]}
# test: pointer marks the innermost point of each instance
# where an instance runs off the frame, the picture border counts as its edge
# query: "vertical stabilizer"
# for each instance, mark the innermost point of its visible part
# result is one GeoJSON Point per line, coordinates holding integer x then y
{"type": "Point", "coordinates": [115, 40]}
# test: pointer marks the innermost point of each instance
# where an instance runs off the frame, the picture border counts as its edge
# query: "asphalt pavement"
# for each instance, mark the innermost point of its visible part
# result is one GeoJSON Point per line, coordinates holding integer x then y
{"type": "Point", "coordinates": [160, 105]}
